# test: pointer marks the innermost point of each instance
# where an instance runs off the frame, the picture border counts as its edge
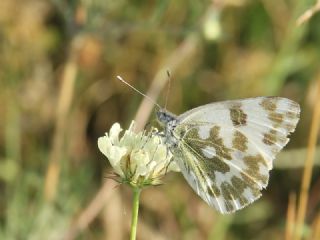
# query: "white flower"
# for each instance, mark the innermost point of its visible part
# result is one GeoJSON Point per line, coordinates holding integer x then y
{"type": "Point", "coordinates": [139, 159]}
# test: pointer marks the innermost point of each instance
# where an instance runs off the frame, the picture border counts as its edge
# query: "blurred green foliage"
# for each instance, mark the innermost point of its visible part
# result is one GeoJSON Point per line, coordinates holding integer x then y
{"type": "Point", "coordinates": [243, 48]}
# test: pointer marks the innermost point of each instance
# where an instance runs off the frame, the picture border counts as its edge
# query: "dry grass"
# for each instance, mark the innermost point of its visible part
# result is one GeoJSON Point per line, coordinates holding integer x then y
{"type": "Point", "coordinates": [68, 82]}
{"type": "Point", "coordinates": [291, 217]}
{"type": "Point", "coordinates": [307, 174]}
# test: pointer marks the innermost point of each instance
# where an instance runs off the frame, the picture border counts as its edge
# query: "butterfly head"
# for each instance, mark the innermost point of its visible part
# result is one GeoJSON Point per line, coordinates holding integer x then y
{"type": "Point", "coordinates": [169, 122]}
{"type": "Point", "coordinates": [164, 117]}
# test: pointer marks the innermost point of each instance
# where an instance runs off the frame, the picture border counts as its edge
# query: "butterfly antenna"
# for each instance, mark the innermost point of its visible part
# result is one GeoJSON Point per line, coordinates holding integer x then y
{"type": "Point", "coordinates": [168, 89]}
{"type": "Point", "coordinates": [147, 97]}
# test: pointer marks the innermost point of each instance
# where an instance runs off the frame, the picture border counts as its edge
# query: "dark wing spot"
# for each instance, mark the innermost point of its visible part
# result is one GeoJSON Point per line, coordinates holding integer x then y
{"type": "Point", "coordinates": [276, 118]}
{"type": "Point", "coordinates": [253, 167]}
{"type": "Point", "coordinates": [227, 193]}
{"type": "Point", "coordinates": [222, 150]}
{"type": "Point", "coordinates": [289, 127]}
{"type": "Point", "coordinates": [214, 141]}
{"type": "Point", "coordinates": [230, 192]}
{"type": "Point", "coordinates": [251, 184]}
{"type": "Point", "coordinates": [292, 115]}
{"type": "Point", "coordinates": [270, 138]}
{"type": "Point", "coordinates": [216, 164]}
{"type": "Point", "coordinates": [238, 117]}
{"type": "Point", "coordinates": [213, 190]}
{"type": "Point", "coordinates": [240, 186]}
{"type": "Point", "coordinates": [240, 141]}
{"type": "Point", "coordinates": [269, 104]}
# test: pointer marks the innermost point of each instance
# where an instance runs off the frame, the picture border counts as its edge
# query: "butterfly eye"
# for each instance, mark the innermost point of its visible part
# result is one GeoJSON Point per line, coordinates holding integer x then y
{"type": "Point", "coordinates": [161, 118]}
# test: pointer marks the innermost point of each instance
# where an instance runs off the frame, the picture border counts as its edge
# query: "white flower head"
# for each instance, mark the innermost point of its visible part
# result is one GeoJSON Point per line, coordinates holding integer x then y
{"type": "Point", "coordinates": [139, 159]}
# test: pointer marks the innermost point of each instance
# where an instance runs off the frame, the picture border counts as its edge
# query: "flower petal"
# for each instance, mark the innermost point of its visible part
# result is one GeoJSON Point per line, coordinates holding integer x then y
{"type": "Point", "coordinates": [114, 133]}
{"type": "Point", "coordinates": [115, 157]}
{"type": "Point", "coordinates": [104, 145]}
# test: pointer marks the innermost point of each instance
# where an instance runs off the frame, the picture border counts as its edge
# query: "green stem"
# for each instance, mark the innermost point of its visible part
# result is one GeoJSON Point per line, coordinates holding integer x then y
{"type": "Point", "coordinates": [135, 211]}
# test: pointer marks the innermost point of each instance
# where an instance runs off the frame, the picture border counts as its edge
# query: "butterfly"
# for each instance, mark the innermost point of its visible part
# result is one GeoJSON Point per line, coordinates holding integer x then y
{"type": "Point", "coordinates": [225, 150]}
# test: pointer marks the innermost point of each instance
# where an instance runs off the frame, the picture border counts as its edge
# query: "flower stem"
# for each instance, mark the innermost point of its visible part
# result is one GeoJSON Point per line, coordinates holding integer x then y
{"type": "Point", "coordinates": [135, 211]}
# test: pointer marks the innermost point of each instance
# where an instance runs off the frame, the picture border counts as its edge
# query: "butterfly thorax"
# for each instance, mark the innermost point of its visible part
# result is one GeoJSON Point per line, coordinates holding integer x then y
{"type": "Point", "coordinates": [169, 122]}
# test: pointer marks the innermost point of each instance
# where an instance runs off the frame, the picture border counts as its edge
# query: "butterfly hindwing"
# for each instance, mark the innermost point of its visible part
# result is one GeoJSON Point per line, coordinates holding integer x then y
{"type": "Point", "coordinates": [225, 150]}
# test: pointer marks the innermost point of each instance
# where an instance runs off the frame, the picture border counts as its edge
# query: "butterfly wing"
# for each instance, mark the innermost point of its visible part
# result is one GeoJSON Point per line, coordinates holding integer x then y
{"type": "Point", "coordinates": [226, 149]}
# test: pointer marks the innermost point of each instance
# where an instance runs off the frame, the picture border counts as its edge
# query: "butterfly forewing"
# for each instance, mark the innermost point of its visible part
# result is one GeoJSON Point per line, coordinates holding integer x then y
{"type": "Point", "coordinates": [225, 150]}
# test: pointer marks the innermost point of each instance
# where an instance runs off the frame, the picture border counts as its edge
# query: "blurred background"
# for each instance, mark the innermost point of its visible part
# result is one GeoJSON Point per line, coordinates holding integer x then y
{"type": "Point", "coordinates": [58, 93]}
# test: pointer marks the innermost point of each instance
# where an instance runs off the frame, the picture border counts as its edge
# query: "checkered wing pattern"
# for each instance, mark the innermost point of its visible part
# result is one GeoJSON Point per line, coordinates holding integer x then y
{"type": "Point", "coordinates": [225, 150]}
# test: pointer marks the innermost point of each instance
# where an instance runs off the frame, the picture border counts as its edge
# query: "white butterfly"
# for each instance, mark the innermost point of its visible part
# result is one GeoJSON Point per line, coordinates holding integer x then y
{"type": "Point", "coordinates": [225, 150]}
